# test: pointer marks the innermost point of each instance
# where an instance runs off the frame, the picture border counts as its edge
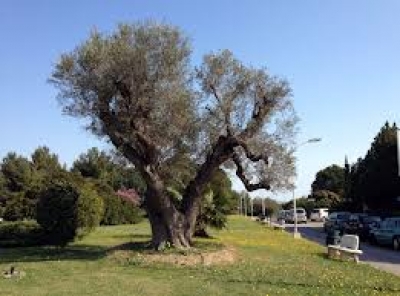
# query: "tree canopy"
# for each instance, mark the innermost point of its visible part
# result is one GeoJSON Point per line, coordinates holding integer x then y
{"type": "Point", "coordinates": [331, 179]}
{"type": "Point", "coordinates": [137, 88]}
{"type": "Point", "coordinates": [373, 181]}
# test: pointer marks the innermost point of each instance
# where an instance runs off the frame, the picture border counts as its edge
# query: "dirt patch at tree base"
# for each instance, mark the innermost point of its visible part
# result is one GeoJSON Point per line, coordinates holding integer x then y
{"type": "Point", "coordinates": [227, 255]}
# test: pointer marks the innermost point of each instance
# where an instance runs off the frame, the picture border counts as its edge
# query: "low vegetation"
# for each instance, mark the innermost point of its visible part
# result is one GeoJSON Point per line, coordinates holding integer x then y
{"type": "Point", "coordinates": [66, 212]}
{"type": "Point", "coordinates": [112, 261]}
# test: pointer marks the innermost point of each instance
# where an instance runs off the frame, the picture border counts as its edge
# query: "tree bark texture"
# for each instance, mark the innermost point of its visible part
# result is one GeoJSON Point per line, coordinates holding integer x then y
{"type": "Point", "coordinates": [167, 222]}
{"type": "Point", "coordinates": [177, 227]}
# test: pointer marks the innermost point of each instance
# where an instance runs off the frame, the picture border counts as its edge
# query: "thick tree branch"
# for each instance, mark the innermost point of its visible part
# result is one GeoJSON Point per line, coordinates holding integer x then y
{"type": "Point", "coordinates": [116, 135]}
{"type": "Point", "coordinates": [250, 155]}
{"type": "Point", "coordinates": [146, 147]}
{"type": "Point", "coordinates": [260, 112]}
{"type": "Point", "coordinates": [241, 175]}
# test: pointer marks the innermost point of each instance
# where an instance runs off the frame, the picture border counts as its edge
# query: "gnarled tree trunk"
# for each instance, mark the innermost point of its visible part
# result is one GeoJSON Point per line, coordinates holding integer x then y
{"type": "Point", "coordinates": [177, 227]}
{"type": "Point", "coordinates": [168, 224]}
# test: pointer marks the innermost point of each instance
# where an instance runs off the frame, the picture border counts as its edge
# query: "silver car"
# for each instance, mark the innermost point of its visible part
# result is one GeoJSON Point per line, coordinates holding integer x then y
{"type": "Point", "coordinates": [301, 215]}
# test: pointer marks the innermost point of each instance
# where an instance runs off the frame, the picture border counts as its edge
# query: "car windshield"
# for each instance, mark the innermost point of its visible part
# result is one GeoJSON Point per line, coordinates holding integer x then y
{"type": "Point", "coordinates": [342, 216]}
{"type": "Point", "coordinates": [315, 211]}
{"type": "Point", "coordinates": [371, 219]}
{"type": "Point", "coordinates": [300, 211]}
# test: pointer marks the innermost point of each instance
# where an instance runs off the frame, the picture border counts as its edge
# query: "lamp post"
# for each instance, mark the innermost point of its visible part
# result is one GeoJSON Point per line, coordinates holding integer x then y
{"type": "Point", "coordinates": [398, 151]}
{"type": "Point", "coordinates": [296, 234]}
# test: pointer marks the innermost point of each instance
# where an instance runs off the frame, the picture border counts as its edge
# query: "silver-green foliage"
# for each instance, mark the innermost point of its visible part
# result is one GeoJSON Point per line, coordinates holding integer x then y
{"type": "Point", "coordinates": [138, 89]}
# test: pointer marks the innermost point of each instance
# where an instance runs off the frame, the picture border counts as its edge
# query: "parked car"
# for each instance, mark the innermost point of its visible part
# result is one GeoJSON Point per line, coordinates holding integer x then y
{"type": "Point", "coordinates": [262, 218]}
{"type": "Point", "coordinates": [367, 225]}
{"type": "Point", "coordinates": [336, 220]}
{"type": "Point", "coordinates": [301, 215]}
{"type": "Point", "coordinates": [354, 224]}
{"type": "Point", "coordinates": [282, 215]}
{"type": "Point", "coordinates": [387, 233]}
{"type": "Point", "coordinates": [319, 214]}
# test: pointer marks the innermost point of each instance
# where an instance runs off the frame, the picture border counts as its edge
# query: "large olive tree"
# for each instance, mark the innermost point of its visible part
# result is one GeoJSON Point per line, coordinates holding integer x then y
{"type": "Point", "coordinates": [137, 89]}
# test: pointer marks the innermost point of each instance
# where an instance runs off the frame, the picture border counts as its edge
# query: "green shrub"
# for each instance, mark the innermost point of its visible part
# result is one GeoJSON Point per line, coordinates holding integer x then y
{"type": "Point", "coordinates": [119, 211]}
{"type": "Point", "coordinates": [66, 212]}
{"type": "Point", "coordinates": [57, 213]}
{"type": "Point", "coordinates": [21, 234]}
{"type": "Point", "coordinates": [116, 209]}
{"type": "Point", "coordinates": [18, 208]}
{"type": "Point", "coordinates": [90, 210]}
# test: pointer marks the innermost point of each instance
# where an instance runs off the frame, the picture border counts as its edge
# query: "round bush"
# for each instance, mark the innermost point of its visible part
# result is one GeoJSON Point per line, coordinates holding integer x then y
{"type": "Point", "coordinates": [65, 212]}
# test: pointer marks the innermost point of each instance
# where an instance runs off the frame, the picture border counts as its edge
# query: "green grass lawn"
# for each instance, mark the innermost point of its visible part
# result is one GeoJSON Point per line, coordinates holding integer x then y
{"type": "Point", "coordinates": [268, 263]}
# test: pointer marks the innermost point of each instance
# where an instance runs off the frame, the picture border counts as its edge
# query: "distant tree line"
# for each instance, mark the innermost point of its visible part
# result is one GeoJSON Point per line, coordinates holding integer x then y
{"type": "Point", "coordinates": [371, 184]}
{"type": "Point", "coordinates": [23, 181]}
{"type": "Point", "coordinates": [53, 205]}
{"type": "Point", "coordinates": [99, 188]}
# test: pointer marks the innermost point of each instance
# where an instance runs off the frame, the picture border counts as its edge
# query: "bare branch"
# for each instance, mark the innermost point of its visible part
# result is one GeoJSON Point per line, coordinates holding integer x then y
{"type": "Point", "coordinates": [214, 92]}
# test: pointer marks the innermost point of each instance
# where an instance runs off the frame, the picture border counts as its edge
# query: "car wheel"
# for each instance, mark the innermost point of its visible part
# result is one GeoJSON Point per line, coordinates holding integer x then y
{"type": "Point", "coordinates": [396, 243]}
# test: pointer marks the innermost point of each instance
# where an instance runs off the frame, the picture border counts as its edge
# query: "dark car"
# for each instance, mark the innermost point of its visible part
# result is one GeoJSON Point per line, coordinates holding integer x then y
{"type": "Point", "coordinates": [354, 224]}
{"type": "Point", "coordinates": [368, 223]}
{"type": "Point", "coordinates": [387, 233]}
{"type": "Point", "coordinates": [336, 220]}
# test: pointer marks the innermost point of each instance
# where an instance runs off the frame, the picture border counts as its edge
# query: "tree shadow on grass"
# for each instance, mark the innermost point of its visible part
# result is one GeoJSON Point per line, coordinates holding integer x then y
{"type": "Point", "coordinates": [45, 253]}
{"type": "Point", "coordinates": [138, 246]}
{"type": "Point", "coordinates": [132, 236]}
{"type": "Point", "coordinates": [139, 242]}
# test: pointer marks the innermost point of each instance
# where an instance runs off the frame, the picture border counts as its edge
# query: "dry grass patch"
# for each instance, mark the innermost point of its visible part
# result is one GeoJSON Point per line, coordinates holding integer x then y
{"type": "Point", "coordinates": [193, 257]}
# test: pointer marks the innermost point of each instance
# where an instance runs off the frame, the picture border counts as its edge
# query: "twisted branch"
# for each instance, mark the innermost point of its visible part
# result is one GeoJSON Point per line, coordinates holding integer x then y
{"type": "Point", "coordinates": [241, 175]}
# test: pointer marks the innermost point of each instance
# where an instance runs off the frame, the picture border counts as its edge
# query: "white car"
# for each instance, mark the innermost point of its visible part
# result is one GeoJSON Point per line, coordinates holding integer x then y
{"type": "Point", "coordinates": [319, 214]}
{"type": "Point", "coordinates": [301, 215]}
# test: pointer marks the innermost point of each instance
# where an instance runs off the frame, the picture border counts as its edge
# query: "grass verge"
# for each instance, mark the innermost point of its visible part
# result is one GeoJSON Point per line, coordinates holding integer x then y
{"type": "Point", "coordinates": [267, 262]}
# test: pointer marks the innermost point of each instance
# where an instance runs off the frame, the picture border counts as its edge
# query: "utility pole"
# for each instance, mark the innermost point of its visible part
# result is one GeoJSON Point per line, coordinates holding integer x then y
{"type": "Point", "coordinates": [245, 205]}
{"type": "Point", "coordinates": [296, 234]}
{"type": "Point", "coordinates": [263, 206]}
{"type": "Point", "coordinates": [240, 205]}
{"type": "Point", "coordinates": [398, 151]}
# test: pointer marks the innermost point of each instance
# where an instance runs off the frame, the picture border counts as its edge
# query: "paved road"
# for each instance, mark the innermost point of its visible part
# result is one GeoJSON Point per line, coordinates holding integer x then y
{"type": "Point", "coordinates": [379, 257]}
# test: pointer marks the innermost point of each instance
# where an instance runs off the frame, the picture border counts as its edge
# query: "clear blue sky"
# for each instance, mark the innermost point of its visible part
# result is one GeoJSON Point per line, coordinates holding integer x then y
{"type": "Point", "coordinates": [342, 59]}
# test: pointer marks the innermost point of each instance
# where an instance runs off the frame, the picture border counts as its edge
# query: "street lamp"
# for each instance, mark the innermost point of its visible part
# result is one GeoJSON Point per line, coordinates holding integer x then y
{"type": "Point", "coordinates": [398, 151]}
{"type": "Point", "coordinates": [296, 234]}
